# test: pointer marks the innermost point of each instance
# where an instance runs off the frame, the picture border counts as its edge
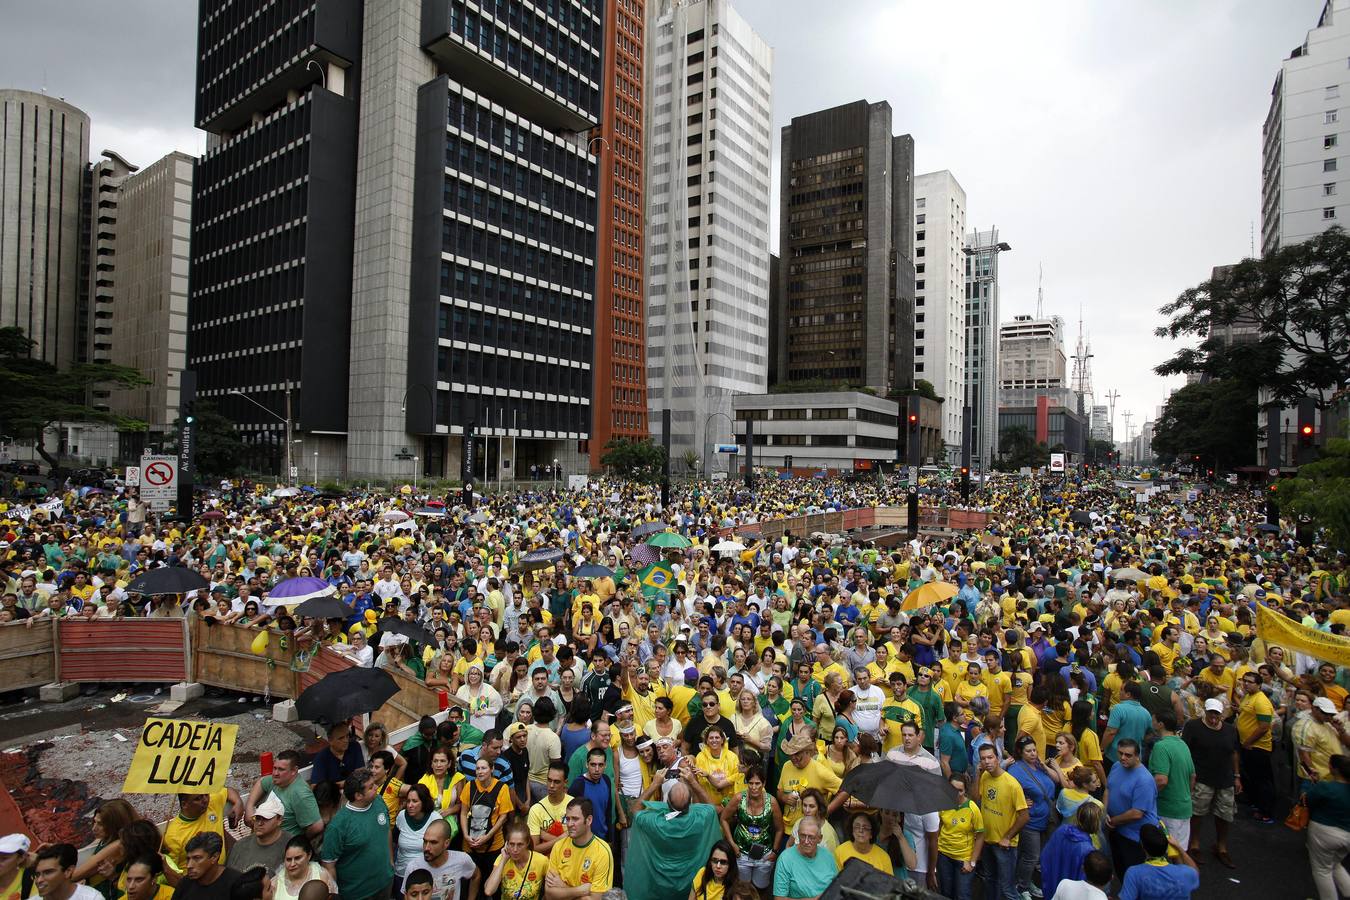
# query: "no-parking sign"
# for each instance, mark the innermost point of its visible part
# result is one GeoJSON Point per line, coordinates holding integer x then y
{"type": "Point", "coordinates": [159, 480]}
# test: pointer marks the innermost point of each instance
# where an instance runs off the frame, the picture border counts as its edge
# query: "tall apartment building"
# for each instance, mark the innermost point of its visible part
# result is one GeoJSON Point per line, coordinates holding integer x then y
{"type": "Point", "coordinates": [709, 113]}
{"type": "Point", "coordinates": [270, 304]}
{"type": "Point", "coordinates": [1032, 362]}
{"type": "Point", "coordinates": [619, 370]}
{"type": "Point", "coordinates": [846, 196]}
{"type": "Point", "coordinates": [982, 320]}
{"type": "Point", "coordinates": [44, 153]}
{"type": "Point", "coordinates": [940, 295]}
{"type": "Point", "coordinates": [147, 300]}
{"type": "Point", "coordinates": [1304, 187]}
{"type": "Point", "coordinates": [106, 177]}
{"type": "Point", "coordinates": [395, 227]}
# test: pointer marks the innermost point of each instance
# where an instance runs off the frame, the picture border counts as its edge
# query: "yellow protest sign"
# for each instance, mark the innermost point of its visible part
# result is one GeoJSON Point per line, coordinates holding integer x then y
{"type": "Point", "coordinates": [1274, 628]}
{"type": "Point", "coordinates": [178, 756]}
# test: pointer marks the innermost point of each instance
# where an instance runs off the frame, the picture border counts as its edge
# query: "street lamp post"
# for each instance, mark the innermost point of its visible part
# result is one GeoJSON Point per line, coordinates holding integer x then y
{"type": "Point", "coordinates": [555, 474]}
{"type": "Point", "coordinates": [286, 420]}
{"type": "Point", "coordinates": [316, 468]}
{"type": "Point", "coordinates": [415, 473]}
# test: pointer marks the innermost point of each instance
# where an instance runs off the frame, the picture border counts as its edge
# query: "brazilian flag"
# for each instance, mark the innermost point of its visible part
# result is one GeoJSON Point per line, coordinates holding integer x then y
{"type": "Point", "coordinates": [656, 581]}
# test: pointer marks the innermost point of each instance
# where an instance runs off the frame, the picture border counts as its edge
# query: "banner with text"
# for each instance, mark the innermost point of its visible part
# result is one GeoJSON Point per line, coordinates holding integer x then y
{"type": "Point", "coordinates": [1274, 628]}
{"type": "Point", "coordinates": [177, 756]}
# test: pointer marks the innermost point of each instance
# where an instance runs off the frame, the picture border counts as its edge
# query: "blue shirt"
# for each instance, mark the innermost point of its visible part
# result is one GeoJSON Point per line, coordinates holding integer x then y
{"type": "Point", "coordinates": [1132, 789]}
{"type": "Point", "coordinates": [1130, 721]}
{"type": "Point", "coordinates": [1040, 792]}
{"type": "Point", "coordinates": [1150, 882]}
{"type": "Point", "coordinates": [501, 769]}
{"type": "Point", "coordinates": [797, 876]}
{"type": "Point", "coordinates": [601, 795]}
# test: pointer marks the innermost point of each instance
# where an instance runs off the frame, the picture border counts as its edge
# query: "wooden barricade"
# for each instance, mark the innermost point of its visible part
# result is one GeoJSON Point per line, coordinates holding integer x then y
{"type": "Point", "coordinates": [137, 650]}
{"type": "Point", "coordinates": [222, 656]}
{"type": "Point", "coordinates": [28, 655]}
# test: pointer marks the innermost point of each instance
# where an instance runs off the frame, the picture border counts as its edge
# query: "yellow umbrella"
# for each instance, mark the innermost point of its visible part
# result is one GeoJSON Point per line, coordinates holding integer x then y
{"type": "Point", "coordinates": [928, 594]}
{"type": "Point", "coordinates": [977, 565]}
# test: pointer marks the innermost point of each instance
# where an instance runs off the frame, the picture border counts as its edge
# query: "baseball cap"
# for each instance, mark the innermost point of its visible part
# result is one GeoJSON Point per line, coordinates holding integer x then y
{"type": "Point", "coordinates": [513, 729]}
{"type": "Point", "coordinates": [1216, 705]}
{"type": "Point", "coordinates": [271, 808]}
{"type": "Point", "coordinates": [14, 843]}
{"type": "Point", "coordinates": [1325, 705]}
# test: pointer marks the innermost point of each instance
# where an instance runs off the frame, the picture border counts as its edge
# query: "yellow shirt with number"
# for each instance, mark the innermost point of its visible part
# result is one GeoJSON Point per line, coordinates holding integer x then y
{"type": "Point", "coordinates": [591, 864]}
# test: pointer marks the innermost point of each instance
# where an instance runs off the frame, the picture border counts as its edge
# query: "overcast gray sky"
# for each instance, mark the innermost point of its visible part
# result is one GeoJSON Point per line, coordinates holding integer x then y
{"type": "Point", "coordinates": [1118, 144]}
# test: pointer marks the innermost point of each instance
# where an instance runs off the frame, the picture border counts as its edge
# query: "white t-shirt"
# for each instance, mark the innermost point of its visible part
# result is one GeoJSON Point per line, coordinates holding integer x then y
{"type": "Point", "coordinates": [630, 774]}
{"type": "Point", "coordinates": [917, 827]}
{"type": "Point", "coordinates": [1078, 890]}
{"type": "Point", "coordinates": [445, 878]}
{"type": "Point", "coordinates": [867, 713]}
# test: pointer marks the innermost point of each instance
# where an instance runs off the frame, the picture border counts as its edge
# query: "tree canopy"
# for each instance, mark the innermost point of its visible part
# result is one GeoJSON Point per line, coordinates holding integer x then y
{"type": "Point", "coordinates": [219, 451]}
{"type": "Point", "coordinates": [1322, 492]}
{"type": "Point", "coordinates": [34, 394]}
{"type": "Point", "coordinates": [639, 460]}
{"type": "Point", "coordinates": [1214, 420]}
{"type": "Point", "coordinates": [1018, 448]}
{"type": "Point", "coordinates": [1293, 309]}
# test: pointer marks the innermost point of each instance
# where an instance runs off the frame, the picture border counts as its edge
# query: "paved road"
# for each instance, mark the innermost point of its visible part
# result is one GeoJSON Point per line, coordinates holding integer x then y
{"type": "Point", "coordinates": [1272, 863]}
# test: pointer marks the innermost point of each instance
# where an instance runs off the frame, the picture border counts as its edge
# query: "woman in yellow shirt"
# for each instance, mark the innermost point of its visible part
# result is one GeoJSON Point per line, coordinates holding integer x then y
{"type": "Point", "coordinates": [443, 783]}
{"type": "Point", "coordinates": [971, 687]}
{"type": "Point", "coordinates": [861, 847]}
{"type": "Point", "coordinates": [712, 881]}
{"type": "Point", "coordinates": [718, 768]}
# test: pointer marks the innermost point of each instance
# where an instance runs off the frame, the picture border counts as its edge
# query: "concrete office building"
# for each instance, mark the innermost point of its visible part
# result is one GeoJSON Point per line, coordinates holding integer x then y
{"type": "Point", "coordinates": [1099, 425]}
{"type": "Point", "coordinates": [940, 296]}
{"type": "Point", "coordinates": [1304, 185]}
{"type": "Point", "coordinates": [106, 177]}
{"type": "Point", "coordinates": [44, 154]}
{"type": "Point", "coordinates": [1031, 354]}
{"type": "Point", "coordinates": [708, 116]}
{"type": "Point", "coordinates": [395, 229]}
{"type": "Point", "coordinates": [835, 430]}
{"type": "Point", "coordinates": [619, 370]}
{"type": "Point", "coordinates": [846, 196]}
{"type": "Point", "coordinates": [148, 299]}
{"type": "Point", "coordinates": [982, 323]}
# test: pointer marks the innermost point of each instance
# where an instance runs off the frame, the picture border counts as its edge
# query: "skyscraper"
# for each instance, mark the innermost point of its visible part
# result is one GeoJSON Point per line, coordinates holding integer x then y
{"type": "Point", "coordinates": [982, 320]}
{"type": "Point", "coordinates": [940, 295]}
{"type": "Point", "coordinates": [44, 153]}
{"type": "Point", "coordinates": [846, 197]}
{"type": "Point", "coordinates": [1303, 184]}
{"type": "Point", "coordinates": [396, 227]}
{"type": "Point", "coordinates": [708, 115]}
{"type": "Point", "coordinates": [1032, 362]}
{"type": "Point", "coordinates": [619, 399]}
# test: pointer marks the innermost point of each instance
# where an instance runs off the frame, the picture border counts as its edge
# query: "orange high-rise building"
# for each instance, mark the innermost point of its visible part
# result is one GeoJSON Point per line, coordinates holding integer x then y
{"type": "Point", "coordinates": [619, 400]}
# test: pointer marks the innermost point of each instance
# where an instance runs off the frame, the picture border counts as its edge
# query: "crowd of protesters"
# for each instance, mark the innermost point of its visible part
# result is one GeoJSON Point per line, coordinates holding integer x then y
{"type": "Point", "coordinates": [1095, 692]}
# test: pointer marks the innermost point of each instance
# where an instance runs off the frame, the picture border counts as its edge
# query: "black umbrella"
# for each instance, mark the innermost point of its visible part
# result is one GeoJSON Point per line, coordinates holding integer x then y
{"type": "Point", "coordinates": [1266, 526]}
{"type": "Point", "coordinates": [591, 570]}
{"type": "Point", "coordinates": [323, 608]}
{"type": "Point", "coordinates": [168, 580]}
{"type": "Point", "coordinates": [541, 559]}
{"type": "Point", "coordinates": [647, 528]}
{"type": "Point", "coordinates": [887, 785]}
{"type": "Point", "coordinates": [1081, 516]}
{"type": "Point", "coordinates": [350, 692]}
{"type": "Point", "coordinates": [411, 630]}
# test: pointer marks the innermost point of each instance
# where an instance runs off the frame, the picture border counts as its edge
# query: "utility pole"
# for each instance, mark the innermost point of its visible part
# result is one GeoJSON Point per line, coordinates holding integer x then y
{"type": "Point", "coordinates": [1111, 397]}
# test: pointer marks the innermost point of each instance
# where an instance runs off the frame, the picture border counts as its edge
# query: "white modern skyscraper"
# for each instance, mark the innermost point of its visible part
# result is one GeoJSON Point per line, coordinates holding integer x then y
{"type": "Point", "coordinates": [1305, 189]}
{"type": "Point", "coordinates": [1032, 362]}
{"type": "Point", "coordinates": [940, 295]}
{"type": "Point", "coordinates": [708, 114]}
{"type": "Point", "coordinates": [982, 312]}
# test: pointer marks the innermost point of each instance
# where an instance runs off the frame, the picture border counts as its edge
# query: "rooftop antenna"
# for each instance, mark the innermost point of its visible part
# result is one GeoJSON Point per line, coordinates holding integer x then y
{"type": "Point", "coordinates": [1251, 227]}
{"type": "Point", "coordinates": [1040, 294]}
{"type": "Point", "coordinates": [1111, 397]}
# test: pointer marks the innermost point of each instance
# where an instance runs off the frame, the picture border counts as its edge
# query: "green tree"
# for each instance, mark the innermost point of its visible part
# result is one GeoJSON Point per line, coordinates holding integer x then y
{"type": "Point", "coordinates": [1297, 303]}
{"type": "Point", "coordinates": [691, 461]}
{"type": "Point", "coordinates": [922, 386]}
{"type": "Point", "coordinates": [1214, 420]}
{"type": "Point", "coordinates": [220, 451]}
{"type": "Point", "coordinates": [1098, 452]}
{"type": "Point", "coordinates": [1321, 491]}
{"type": "Point", "coordinates": [1017, 448]}
{"type": "Point", "coordinates": [35, 395]}
{"type": "Point", "coordinates": [639, 460]}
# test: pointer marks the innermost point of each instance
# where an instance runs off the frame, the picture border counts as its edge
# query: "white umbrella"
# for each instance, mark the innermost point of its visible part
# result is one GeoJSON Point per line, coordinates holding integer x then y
{"type": "Point", "coordinates": [405, 526]}
{"type": "Point", "coordinates": [286, 492]}
{"type": "Point", "coordinates": [728, 547]}
{"type": "Point", "coordinates": [395, 515]}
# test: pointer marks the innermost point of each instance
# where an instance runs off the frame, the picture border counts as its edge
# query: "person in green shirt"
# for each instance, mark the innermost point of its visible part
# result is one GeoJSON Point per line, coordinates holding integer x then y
{"type": "Point", "coordinates": [356, 846]}
{"type": "Point", "coordinates": [301, 814]}
{"type": "Point", "coordinates": [951, 745]}
{"type": "Point", "coordinates": [928, 701]}
{"type": "Point", "coordinates": [1174, 772]}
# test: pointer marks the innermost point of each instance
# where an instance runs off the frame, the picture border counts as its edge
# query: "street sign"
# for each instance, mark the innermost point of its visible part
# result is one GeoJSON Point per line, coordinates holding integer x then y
{"type": "Point", "coordinates": [1056, 462]}
{"type": "Point", "coordinates": [726, 448]}
{"type": "Point", "coordinates": [1273, 473]}
{"type": "Point", "coordinates": [159, 480]}
{"type": "Point", "coordinates": [295, 471]}
{"type": "Point", "coordinates": [133, 478]}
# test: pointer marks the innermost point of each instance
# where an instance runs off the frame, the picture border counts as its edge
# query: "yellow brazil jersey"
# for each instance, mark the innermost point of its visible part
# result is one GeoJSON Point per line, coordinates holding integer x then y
{"type": "Point", "coordinates": [1030, 721]}
{"type": "Point", "coordinates": [589, 864]}
{"type": "Point", "coordinates": [1001, 799]}
{"type": "Point", "coordinates": [815, 775]}
{"type": "Point", "coordinates": [1255, 710]}
{"type": "Point", "coordinates": [953, 670]}
{"type": "Point", "coordinates": [1166, 655]}
{"type": "Point", "coordinates": [179, 830]}
{"type": "Point", "coordinates": [1000, 689]}
{"type": "Point", "coordinates": [818, 672]}
{"type": "Point", "coordinates": [1089, 747]}
{"type": "Point", "coordinates": [956, 834]}
{"type": "Point", "coordinates": [709, 890]}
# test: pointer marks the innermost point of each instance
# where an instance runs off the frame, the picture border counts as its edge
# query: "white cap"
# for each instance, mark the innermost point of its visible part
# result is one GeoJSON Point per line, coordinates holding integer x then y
{"type": "Point", "coordinates": [14, 843]}
{"type": "Point", "coordinates": [272, 807]}
{"type": "Point", "coordinates": [1214, 705]}
{"type": "Point", "coordinates": [1325, 705]}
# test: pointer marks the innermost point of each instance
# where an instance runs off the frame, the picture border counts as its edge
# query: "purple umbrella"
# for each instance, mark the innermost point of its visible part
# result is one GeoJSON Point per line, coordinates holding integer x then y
{"type": "Point", "coordinates": [645, 554]}
{"type": "Point", "coordinates": [298, 590]}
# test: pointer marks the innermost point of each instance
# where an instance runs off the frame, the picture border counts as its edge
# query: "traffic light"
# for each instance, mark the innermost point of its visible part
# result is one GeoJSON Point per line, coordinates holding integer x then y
{"type": "Point", "coordinates": [189, 411]}
{"type": "Point", "coordinates": [913, 419]}
{"type": "Point", "coordinates": [965, 484]}
{"type": "Point", "coordinates": [1272, 505]}
{"type": "Point", "coordinates": [1307, 429]}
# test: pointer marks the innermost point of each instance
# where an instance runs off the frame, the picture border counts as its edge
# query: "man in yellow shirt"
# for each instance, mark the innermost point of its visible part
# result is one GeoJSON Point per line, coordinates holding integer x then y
{"type": "Point", "coordinates": [580, 864]}
{"type": "Point", "coordinates": [803, 770]}
{"type": "Point", "coordinates": [1167, 648]}
{"type": "Point", "coordinates": [1254, 718]}
{"type": "Point", "coordinates": [1218, 674]}
{"type": "Point", "coordinates": [825, 665]}
{"type": "Point", "coordinates": [998, 682]}
{"type": "Point", "coordinates": [1005, 811]}
{"type": "Point", "coordinates": [198, 813]}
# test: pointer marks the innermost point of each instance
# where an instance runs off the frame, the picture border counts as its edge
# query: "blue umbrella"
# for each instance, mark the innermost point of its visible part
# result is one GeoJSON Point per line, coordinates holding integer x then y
{"type": "Point", "coordinates": [541, 559]}
{"type": "Point", "coordinates": [1189, 532]}
{"type": "Point", "coordinates": [591, 570]}
{"type": "Point", "coordinates": [298, 590]}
